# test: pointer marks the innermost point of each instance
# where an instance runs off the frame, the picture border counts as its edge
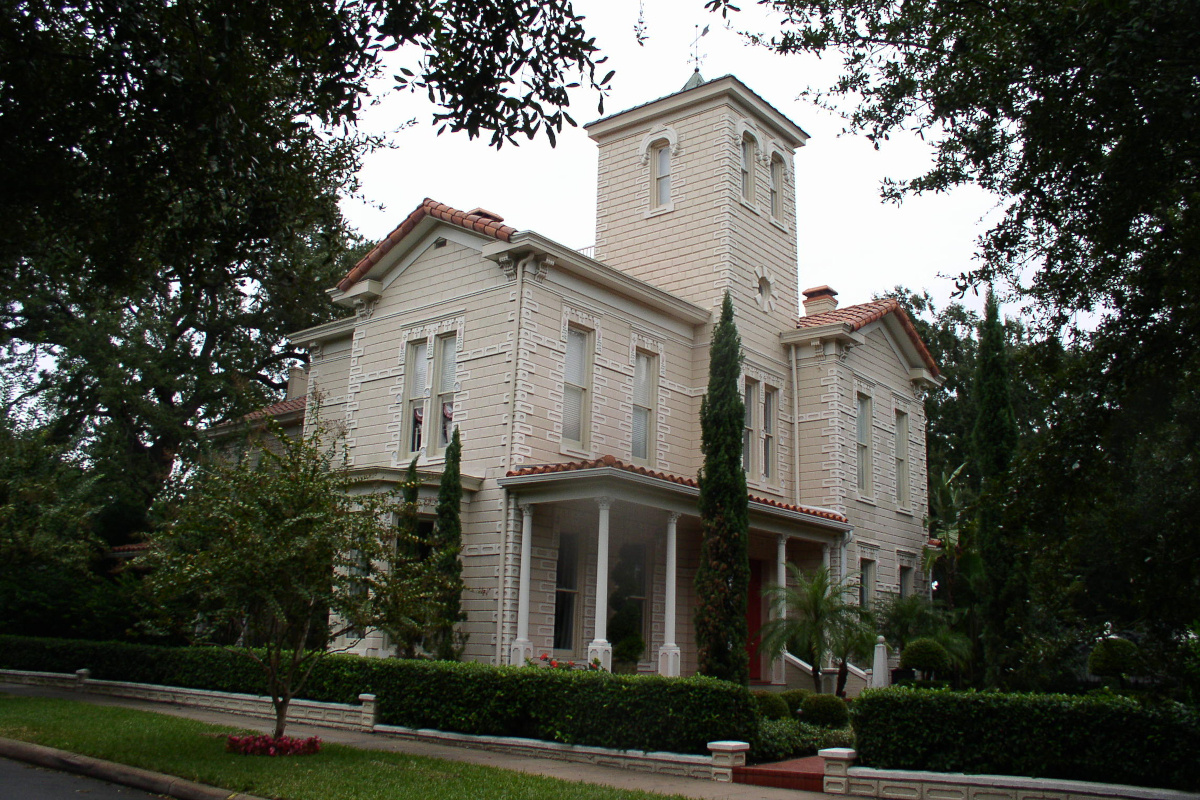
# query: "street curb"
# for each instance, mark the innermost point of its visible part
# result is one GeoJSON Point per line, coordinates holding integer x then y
{"type": "Point", "coordinates": [147, 781]}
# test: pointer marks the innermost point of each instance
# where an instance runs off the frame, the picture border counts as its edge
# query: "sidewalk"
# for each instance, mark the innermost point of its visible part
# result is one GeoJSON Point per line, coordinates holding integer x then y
{"type": "Point", "coordinates": [564, 770]}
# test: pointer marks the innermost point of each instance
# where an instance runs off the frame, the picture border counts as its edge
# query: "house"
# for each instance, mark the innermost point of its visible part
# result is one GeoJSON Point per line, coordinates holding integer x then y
{"type": "Point", "coordinates": [576, 380]}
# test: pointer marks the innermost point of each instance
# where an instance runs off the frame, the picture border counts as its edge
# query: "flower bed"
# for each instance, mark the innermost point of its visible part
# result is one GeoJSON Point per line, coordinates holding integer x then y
{"type": "Point", "coordinates": [270, 746]}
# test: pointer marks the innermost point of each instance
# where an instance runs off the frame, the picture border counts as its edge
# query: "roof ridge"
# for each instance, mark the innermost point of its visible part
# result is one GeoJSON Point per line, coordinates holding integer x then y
{"type": "Point", "coordinates": [487, 223]}
{"type": "Point", "coordinates": [862, 314]}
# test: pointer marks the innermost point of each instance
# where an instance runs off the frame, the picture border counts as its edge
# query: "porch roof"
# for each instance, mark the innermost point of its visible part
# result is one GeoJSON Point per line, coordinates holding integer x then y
{"type": "Point", "coordinates": [610, 476]}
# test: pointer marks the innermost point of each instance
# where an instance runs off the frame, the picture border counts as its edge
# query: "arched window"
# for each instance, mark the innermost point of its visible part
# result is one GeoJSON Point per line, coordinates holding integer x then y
{"type": "Point", "coordinates": [660, 166]}
{"type": "Point", "coordinates": [749, 150]}
{"type": "Point", "coordinates": [777, 187]}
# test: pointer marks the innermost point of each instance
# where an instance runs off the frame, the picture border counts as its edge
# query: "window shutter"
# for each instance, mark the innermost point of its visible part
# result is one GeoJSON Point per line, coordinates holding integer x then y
{"type": "Point", "coordinates": [447, 366]}
{"type": "Point", "coordinates": [418, 371]}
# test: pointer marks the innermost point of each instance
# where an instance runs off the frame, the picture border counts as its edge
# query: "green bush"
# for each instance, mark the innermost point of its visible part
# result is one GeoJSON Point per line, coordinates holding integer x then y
{"type": "Point", "coordinates": [794, 699]}
{"type": "Point", "coordinates": [771, 705]}
{"type": "Point", "coordinates": [1113, 658]}
{"type": "Point", "coordinates": [925, 655]}
{"type": "Point", "coordinates": [775, 740]}
{"type": "Point", "coordinates": [826, 710]}
{"type": "Point", "coordinates": [593, 708]}
{"type": "Point", "coordinates": [1103, 738]}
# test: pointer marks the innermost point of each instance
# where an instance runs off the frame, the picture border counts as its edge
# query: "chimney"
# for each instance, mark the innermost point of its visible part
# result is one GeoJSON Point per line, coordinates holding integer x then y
{"type": "Point", "coordinates": [818, 300]}
{"type": "Point", "coordinates": [297, 385]}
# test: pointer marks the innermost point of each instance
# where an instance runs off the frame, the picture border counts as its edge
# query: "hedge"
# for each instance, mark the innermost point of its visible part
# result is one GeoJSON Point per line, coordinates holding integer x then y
{"type": "Point", "coordinates": [1103, 738]}
{"type": "Point", "coordinates": [630, 712]}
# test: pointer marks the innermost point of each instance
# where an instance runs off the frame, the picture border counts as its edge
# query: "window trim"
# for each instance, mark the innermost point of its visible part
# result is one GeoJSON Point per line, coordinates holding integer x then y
{"type": "Point", "coordinates": [777, 181]}
{"type": "Point", "coordinates": [433, 442]}
{"type": "Point", "coordinates": [651, 360]}
{"type": "Point", "coordinates": [864, 427]}
{"type": "Point", "coordinates": [660, 150]}
{"type": "Point", "coordinates": [414, 395]}
{"type": "Point", "coordinates": [903, 467]}
{"type": "Point", "coordinates": [585, 403]}
{"type": "Point", "coordinates": [749, 153]}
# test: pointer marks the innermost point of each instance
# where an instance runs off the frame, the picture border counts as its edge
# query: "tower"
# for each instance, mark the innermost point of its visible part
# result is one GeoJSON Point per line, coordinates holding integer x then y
{"type": "Point", "coordinates": [696, 195]}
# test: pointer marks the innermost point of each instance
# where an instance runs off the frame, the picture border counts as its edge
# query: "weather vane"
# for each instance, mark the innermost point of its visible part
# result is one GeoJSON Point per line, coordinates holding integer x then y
{"type": "Point", "coordinates": [697, 56]}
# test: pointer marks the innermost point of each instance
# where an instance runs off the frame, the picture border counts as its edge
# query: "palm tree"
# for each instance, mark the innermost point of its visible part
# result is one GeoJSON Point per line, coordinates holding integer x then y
{"type": "Point", "coordinates": [815, 619]}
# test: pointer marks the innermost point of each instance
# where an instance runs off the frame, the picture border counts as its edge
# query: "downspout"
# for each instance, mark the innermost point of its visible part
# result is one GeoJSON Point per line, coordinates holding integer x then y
{"type": "Point", "coordinates": [505, 506]}
{"type": "Point", "coordinates": [795, 426]}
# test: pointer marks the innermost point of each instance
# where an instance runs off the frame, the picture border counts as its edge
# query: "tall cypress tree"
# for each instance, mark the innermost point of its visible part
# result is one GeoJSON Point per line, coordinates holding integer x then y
{"type": "Point", "coordinates": [723, 577]}
{"type": "Point", "coordinates": [995, 442]}
{"type": "Point", "coordinates": [446, 543]}
{"type": "Point", "coordinates": [407, 626]}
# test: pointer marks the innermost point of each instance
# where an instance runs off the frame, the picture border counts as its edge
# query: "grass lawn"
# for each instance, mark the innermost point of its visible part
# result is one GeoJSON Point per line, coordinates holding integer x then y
{"type": "Point", "coordinates": [196, 751]}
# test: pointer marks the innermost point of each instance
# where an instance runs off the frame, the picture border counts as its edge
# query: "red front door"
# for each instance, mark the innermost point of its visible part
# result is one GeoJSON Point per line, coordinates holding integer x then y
{"type": "Point", "coordinates": [754, 618]}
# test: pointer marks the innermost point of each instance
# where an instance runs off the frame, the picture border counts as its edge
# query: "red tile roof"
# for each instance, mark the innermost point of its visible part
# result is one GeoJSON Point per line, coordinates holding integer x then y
{"type": "Point", "coordinates": [277, 409]}
{"type": "Point", "coordinates": [613, 461]}
{"type": "Point", "coordinates": [864, 314]}
{"type": "Point", "coordinates": [479, 220]}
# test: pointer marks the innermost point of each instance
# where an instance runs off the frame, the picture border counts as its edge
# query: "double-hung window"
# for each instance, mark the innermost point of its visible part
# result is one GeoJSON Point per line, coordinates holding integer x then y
{"type": "Point", "coordinates": [749, 397]}
{"type": "Point", "coordinates": [748, 152]}
{"type": "Point", "coordinates": [566, 592]}
{"type": "Point", "coordinates": [576, 387]}
{"type": "Point", "coordinates": [645, 383]}
{"type": "Point", "coordinates": [770, 400]}
{"type": "Point", "coordinates": [863, 438]}
{"type": "Point", "coordinates": [416, 364]}
{"type": "Point", "coordinates": [902, 499]}
{"type": "Point", "coordinates": [866, 583]}
{"type": "Point", "coordinates": [777, 187]}
{"type": "Point", "coordinates": [444, 377]}
{"type": "Point", "coordinates": [660, 156]}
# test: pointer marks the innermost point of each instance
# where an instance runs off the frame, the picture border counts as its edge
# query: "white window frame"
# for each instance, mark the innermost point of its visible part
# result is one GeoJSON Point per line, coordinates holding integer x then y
{"type": "Point", "coordinates": [749, 151]}
{"type": "Point", "coordinates": [777, 172]}
{"type": "Point", "coordinates": [584, 387]}
{"type": "Point", "coordinates": [863, 434]}
{"type": "Point", "coordinates": [416, 367]}
{"type": "Point", "coordinates": [575, 591]}
{"type": "Point", "coordinates": [750, 426]}
{"type": "Point", "coordinates": [660, 175]}
{"type": "Point", "coordinates": [645, 376]}
{"type": "Point", "coordinates": [770, 441]}
{"type": "Point", "coordinates": [903, 476]}
{"type": "Point", "coordinates": [445, 346]}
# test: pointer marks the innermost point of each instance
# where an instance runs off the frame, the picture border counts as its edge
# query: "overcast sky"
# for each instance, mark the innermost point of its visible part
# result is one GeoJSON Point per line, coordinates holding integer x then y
{"type": "Point", "coordinates": [848, 238]}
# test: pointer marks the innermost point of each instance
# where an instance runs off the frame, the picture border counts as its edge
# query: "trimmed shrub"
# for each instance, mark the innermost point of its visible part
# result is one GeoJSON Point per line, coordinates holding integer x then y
{"type": "Point", "coordinates": [1113, 658]}
{"type": "Point", "coordinates": [925, 655]}
{"type": "Point", "coordinates": [775, 740]}
{"type": "Point", "coordinates": [1102, 738]}
{"type": "Point", "coordinates": [771, 705]}
{"type": "Point", "coordinates": [633, 712]}
{"type": "Point", "coordinates": [794, 699]}
{"type": "Point", "coordinates": [825, 710]}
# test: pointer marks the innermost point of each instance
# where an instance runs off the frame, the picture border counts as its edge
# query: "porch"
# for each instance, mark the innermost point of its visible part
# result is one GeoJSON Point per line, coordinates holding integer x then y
{"type": "Point", "coordinates": [607, 561]}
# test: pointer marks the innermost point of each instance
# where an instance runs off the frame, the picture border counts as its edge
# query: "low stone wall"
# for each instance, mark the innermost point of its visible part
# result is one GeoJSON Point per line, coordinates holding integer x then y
{"type": "Point", "coordinates": [844, 779]}
{"type": "Point", "coordinates": [365, 717]}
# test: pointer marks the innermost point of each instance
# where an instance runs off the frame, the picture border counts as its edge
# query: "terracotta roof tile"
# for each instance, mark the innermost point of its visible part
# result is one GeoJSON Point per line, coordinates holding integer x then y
{"type": "Point", "coordinates": [864, 314]}
{"type": "Point", "coordinates": [613, 461]}
{"type": "Point", "coordinates": [479, 220]}
{"type": "Point", "coordinates": [277, 409]}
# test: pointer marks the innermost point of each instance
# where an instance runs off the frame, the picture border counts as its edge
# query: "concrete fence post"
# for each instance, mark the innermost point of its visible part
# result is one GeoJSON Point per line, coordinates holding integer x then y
{"type": "Point", "coordinates": [81, 679]}
{"type": "Point", "coordinates": [726, 756]}
{"type": "Point", "coordinates": [837, 768]}
{"type": "Point", "coordinates": [370, 711]}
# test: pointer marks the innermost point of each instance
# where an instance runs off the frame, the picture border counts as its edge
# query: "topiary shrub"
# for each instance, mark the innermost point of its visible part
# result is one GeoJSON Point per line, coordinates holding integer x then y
{"type": "Point", "coordinates": [771, 705]}
{"type": "Point", "coordinates": [826, 710]}
{"type": "Point", "coordinates": [794, 699]}
{"type": "Point", "coordinates": [925, 655]}
{"type": "Point", "coordinates": [1113, 658]}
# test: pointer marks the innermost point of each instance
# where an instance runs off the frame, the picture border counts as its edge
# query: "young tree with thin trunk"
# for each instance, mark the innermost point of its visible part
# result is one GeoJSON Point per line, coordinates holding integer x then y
{"type": "Point", "coordinates": [723, 576]}
{"type": "Point", "coordinates": [268, 554]}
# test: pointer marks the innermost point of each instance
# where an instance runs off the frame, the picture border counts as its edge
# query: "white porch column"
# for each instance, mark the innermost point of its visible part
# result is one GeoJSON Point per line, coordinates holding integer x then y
{"type": "Point", "coordinates": [522, 648]}
{"type": "Point", "coordinates": [600, 647]}
{"type": "Point", "coordinates": [668, 654]}
{"type": "Point", "coordinates": [779, 666]}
